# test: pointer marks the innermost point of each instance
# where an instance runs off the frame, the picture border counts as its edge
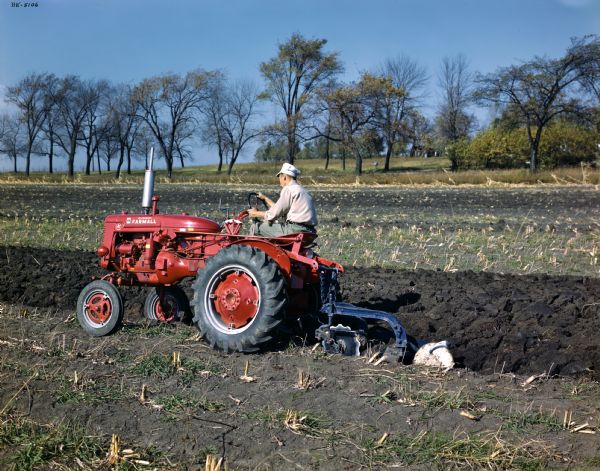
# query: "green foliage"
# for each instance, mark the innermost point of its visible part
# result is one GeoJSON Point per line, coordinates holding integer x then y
{"type": "Point", "coordinates": [496, 148]}
{"type": "Point", "coordinates": [457, 153]}
{"type": "Point", "coordinates": [562, 144]}
{"type": "Point", "coordinates": [160, 366]}
{"type": "Point", "coordinates": [271, 151]}
{"type": "Point", "coordinates": [293, 78]}
{"type": "Point", "coordinates": [34, 445]}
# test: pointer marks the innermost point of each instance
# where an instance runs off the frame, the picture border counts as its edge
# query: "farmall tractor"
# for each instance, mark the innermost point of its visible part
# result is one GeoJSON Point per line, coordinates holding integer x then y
{"type": "Point", "coordinates": [244, 286]}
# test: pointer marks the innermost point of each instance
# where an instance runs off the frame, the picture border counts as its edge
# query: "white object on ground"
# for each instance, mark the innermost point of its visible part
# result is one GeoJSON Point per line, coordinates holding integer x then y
{"type": "Point", "coordinates": [435, 354]}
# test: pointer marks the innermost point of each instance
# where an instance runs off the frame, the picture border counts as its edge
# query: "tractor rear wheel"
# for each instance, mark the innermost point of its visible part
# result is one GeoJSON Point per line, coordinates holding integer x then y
{"type": "Point", "coordinates": [240, 298]}
{"type": "Point", "coordinates": [166, 304]}
{"type": "Point", "coordinates": [100, 308]}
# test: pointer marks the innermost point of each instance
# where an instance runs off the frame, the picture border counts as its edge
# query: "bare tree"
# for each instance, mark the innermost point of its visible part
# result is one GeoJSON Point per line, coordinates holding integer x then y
{"type": "Point", "coordinates": [71, 99]}
{"type": "Point", "coordinates": [214, 110]}
{"type": "Point", "coordinates": [51, 121]}
{"type": "Point", "coordinates": [539, 89]}
{"type": "Point", "coordinates": [589, 46]}
{"type": "Point", "coordinates": [237, 122]}
{"type": "Point", "coordinates": [402, 97]}
{"type": "Point", "coordinates": [420, 133]}
{"type": "Point", "coordinates": [95, 95]}
{"type": "Point", "coordinates": [28, 97]}
{"type": "Point", "coordinates": [13, 141]}
{"type": "Point", "coordinates": [123, 122]}
{"type": "Point", "coordinates": [144, 140]}
{"type": "Point", "coordinates": [324, 119]}
{"type": "Point", "coordinates": [293, 78]}
{"type": "Point", "coordinates": [453, 121]}
{"type": "Point", "coordinates": [168, 104]}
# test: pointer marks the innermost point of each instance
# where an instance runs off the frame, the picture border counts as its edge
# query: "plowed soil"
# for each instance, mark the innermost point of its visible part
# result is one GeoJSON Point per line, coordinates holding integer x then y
{"type": "Point", "coordinates": [495, 323]}
{"type": "Point", "coordinates": [526, 349]}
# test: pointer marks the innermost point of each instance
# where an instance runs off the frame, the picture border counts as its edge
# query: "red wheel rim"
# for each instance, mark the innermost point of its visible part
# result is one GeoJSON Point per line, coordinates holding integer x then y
{"type": "Point", "coordinates": [236, 299]}
{"type": "Point", "coordinates": [166, 308]}
{"type": "Point", "coordinates": [98, 308]}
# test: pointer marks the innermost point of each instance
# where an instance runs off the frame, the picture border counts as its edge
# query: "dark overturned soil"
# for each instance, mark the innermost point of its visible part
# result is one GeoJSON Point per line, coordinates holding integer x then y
{"type": "Point", "coordinates": [563, 208]}
{"type": "Point", "coordinates": [495, 322]}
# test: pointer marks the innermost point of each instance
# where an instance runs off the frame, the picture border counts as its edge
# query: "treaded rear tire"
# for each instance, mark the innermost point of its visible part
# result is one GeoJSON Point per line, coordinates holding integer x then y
{"type": "Point", "coordinates": [260, 275]}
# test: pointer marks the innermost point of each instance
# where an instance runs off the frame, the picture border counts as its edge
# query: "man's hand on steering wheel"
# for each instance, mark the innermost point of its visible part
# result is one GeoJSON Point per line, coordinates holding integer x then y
{"type": "Point", "coordinates": [253, 199]}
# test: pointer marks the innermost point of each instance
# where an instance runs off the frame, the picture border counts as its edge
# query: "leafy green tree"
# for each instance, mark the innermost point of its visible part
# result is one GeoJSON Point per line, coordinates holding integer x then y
{"type": "Point", "coordinates": [272, 150]}
{"type": "Point", "coordinates": [564, 144]}
{"type": "Point", "coordinates": [356, 106]}
{"type": "Point", "coordinates": [497, 148]}
{"type": "Point", "coordinates": [540, 89]}
{"type": "Point", "coordinates": [293, 78]}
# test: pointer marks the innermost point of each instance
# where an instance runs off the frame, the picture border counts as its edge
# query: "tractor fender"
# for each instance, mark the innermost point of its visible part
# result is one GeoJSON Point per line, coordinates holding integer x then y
{"type": "Point", "coordinates": [279, 255]}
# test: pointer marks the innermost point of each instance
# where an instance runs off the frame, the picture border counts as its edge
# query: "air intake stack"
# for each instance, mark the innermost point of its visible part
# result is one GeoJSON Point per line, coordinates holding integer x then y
{"type": "Point", "coordinates": [148, 184]}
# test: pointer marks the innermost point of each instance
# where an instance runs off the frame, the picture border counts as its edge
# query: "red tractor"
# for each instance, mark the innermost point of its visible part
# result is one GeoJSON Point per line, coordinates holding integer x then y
{"type": "Point", "coordinates": [244, 288]}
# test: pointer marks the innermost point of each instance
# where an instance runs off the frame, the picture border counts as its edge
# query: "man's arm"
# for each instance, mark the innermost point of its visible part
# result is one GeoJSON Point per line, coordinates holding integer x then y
{"type": "Point", "coordinates": [265, 198]}
{"type": "Point", "coordinates": [255, 213]}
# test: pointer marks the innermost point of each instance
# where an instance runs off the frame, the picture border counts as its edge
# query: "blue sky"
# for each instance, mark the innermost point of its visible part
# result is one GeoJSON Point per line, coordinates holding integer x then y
{"type": "Point", "coordinates": [127, 40]}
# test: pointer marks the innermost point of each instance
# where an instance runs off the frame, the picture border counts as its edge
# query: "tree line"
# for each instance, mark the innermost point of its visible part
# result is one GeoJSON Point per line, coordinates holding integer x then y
{"type": "Point", "coordinates": [380, 113]}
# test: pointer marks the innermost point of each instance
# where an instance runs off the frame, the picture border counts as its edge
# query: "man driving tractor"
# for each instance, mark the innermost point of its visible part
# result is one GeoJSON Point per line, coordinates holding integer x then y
{"type": "Point", "coordinates": [294, 207]}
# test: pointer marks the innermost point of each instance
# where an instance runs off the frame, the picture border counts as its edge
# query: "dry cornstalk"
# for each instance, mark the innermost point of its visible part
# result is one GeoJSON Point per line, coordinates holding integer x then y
{"type": "Point", "coordinates": [143, 393]}
{"type": "Point", "coordinates": [468, 415]}
{"type": "Point", "coordinates": [567, 420]}
{"type": "Point", "coordinates": [293, 421]}
{"type": "Point", "coordinates": [176, 360]}
{"type": "Point", "coordinates": [113, 452]}
{"type": "Point", "coordinates": [235, 399]}
{"type": "Point", "coordinates": [245, 377]}
{"type": "Point", "coordinates": [580, 427]}
{"type": "Point", "coordinates": [212, 464]}
{"type": "Point", "coordinates": [304, 381]}
{"type": "Point", "coordinates": [373, 357]}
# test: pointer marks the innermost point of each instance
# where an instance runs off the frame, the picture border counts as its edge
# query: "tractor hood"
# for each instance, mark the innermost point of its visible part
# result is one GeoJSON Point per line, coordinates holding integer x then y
{"type": "Point", "coordinates": [174, 222]}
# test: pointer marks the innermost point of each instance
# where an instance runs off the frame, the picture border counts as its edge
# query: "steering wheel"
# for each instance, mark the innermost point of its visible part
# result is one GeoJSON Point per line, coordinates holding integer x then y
{"type": "Point", "coordinates": [253, 201]}
{"type": "Point", "coordinates": [233, 226]}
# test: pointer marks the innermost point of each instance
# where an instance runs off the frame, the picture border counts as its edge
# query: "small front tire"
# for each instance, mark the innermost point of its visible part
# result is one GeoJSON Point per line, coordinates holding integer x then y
{"type": "Point", "coordinates": [166, 304]}
{"type": "Point", "coordinates": [100, 308]}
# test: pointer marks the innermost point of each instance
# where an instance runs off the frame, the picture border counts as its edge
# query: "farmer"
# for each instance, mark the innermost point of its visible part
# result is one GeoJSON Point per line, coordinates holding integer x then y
{"type": "Point", "coordinates": [294, 207]}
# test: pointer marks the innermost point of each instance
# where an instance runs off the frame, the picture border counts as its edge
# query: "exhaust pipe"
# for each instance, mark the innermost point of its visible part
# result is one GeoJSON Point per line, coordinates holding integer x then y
{"type": "Point", "coordinates": [148, 184]}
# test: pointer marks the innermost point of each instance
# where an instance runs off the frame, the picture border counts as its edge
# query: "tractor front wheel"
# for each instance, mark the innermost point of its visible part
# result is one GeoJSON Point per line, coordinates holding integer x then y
{"type": "Point", "coordinates": [166, 304]}
{"type": "Point", "coordinates": [240, 298]}
{"type": "Point", "coordinates": [100, 308]}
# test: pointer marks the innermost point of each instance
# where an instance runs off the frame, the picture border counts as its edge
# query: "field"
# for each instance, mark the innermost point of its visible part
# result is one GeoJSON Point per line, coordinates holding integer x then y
{"type": "Point", "coordinates": [509, 275]}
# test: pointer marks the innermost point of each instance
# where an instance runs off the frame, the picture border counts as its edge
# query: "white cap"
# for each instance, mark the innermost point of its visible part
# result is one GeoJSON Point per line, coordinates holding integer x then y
{"type": "Point", "coordinates": [290, 170]}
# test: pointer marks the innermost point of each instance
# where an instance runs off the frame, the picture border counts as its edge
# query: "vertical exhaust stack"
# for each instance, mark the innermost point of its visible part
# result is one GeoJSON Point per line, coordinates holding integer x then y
{"type": "Point", "coordinates": [148, 184]}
